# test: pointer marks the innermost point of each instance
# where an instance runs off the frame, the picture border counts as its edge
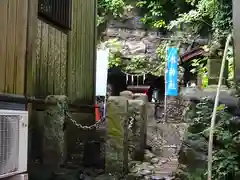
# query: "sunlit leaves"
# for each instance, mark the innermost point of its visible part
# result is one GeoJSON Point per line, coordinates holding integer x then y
{"type": "Point", "coordinates": [226, 139]}
{"type": "Point", "coordinates": [108, 9]}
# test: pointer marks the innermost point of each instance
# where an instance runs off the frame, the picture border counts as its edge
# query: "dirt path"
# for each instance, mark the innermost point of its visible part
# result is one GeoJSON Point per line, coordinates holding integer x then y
{"type": "Point", "coordinates": [165, 140]}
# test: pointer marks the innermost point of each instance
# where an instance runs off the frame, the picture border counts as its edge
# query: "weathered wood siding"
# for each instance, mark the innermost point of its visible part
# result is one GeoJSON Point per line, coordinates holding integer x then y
{"type": "Point", "coordinates": [82, 51]}
{"type": "Point", "coordinates": [62, 63]}
{"type": "Point", "coordinates": [51, 61]}
{"type": "Point", "coordinates": [13, 38]}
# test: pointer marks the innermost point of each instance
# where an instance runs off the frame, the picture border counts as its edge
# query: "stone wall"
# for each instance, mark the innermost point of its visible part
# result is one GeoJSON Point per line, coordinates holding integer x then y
{"type": "Point", "coordinates": [139, 40]}
{"type": "Point", "coordinates": [135, 42]}
{"type": "Point", "coordinates": [135, 38]}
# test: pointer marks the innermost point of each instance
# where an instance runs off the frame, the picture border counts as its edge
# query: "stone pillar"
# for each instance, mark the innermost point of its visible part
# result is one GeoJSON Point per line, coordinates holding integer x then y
{"type": "Point", "coordinates": [54, 149]}
{"type": "Point", "coordinates": [116, 143]}
{"type": "Point", "coordinates": [137, 133]}
{"type": "Point", "coordinates": [214, 66]}
{"type": "Point", "coordinates": [127, 94]}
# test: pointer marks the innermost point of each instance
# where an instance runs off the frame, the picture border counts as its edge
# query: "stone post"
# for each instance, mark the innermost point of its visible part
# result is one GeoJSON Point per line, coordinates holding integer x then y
{"type": "Point", "coordinates": [54, 149]}
{"type": "Point", "coordinates": [137, 133]}
{"type": "Point", "coordinates": [116, 144]}
{"type": "Point", "coordinates": [127, 94]}
{"type": "Point", "coordinates": [126, 132]}
{"type": "Point", "coordinates": [214, 66]}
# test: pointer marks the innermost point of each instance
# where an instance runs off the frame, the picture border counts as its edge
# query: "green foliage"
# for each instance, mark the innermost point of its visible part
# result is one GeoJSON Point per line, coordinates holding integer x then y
{"type": "Point", "coordinates": [194, 17]}
{"type": "Point", "coordinates": [199, 67]}
{"type": "Point", "coordinates": [108, 9]}
{"type": "Point", "coordinates": [210, 15]}
{"type": "Point", "coordinates": [153, 13]}
{"type": "Point", "coordinates": [114, 47]}
{"type": "Point", "coordinates": [137, 64]}
{"type": "Point", "coordinates": [198, 174]}
{"type": "Point", "coordinates": [158, 14]}
{"type": "Point", "coordinates": [226, 138]}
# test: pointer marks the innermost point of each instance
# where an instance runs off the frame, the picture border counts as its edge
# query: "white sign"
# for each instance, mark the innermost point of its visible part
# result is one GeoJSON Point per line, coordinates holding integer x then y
{"type": "Point", "coordinates": [173, 60]}
{"type": "Point", "coordinates": [172, 72]}
{"type": "Point", "coordinates": [171, 85]}
{"type": "Point", "coordinates": [101, 72]}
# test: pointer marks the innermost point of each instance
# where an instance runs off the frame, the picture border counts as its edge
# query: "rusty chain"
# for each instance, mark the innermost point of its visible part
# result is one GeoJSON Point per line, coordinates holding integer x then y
{"type": "Point", "coordinates": [80, 126]}
{"type": "Point", "coordinates": [131, 121]}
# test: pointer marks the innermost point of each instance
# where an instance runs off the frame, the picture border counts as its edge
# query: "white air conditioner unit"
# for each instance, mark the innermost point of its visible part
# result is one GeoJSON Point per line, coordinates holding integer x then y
{"type": "Point", "coordinates": [13, 142]}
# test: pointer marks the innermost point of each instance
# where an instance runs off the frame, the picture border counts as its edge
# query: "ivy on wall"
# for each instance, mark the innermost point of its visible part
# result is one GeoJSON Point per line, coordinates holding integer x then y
{"type": "Point", "coordinates": [214, 17]}
{"type": "Point", "coordinates": [210, 18]}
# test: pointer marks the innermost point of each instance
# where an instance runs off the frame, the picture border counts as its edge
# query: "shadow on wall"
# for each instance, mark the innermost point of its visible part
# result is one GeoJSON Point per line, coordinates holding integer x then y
{"type": "Point", "coordinates": [155, 82]}
{"type": "Point", "coordinates": [117, 81]}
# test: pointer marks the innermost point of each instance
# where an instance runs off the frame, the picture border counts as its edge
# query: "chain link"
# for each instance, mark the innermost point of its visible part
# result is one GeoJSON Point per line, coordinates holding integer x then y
{"type": "Point", "coordinates": [131, 121]}
{"type": "Point", "coordinates": [91, 127]}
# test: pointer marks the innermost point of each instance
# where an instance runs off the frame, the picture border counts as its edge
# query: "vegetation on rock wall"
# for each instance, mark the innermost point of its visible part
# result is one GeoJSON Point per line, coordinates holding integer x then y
{"type": "Point", "coordinates": [195, 16]}
{"type": "Point", "coordinates": [211, 18]}
{"type": "Point", "coordinates": [136, 64]}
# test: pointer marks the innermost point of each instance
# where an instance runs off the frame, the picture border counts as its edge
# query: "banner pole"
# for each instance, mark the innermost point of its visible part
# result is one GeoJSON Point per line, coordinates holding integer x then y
{"type": "Point", "coordinates": [165, 94]}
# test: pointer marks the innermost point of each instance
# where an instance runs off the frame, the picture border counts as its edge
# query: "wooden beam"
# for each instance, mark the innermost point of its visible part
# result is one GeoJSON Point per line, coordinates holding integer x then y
{"type": "Point", "coordinates": [31, 49]}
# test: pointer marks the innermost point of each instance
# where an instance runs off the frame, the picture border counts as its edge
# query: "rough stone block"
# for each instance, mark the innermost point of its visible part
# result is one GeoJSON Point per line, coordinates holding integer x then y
{"type": "Point", "coordinates": [127, 94]}
{"type": "Point", "coordinates": [54, 149]}
{"type": "Point", "coordinates": [116, 143]}
{"type": "Point", "coordinates": [176, 108]}
{"type": "Point", "coordinates": [140, 96]}
{"type": "Point", "coordinates": [214, 66]}
{"type": "Point", "coordinates": [137, 110]}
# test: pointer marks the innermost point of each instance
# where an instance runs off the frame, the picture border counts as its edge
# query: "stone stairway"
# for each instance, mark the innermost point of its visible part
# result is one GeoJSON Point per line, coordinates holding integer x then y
{"type": "Point", "coordinates": [161, 159]}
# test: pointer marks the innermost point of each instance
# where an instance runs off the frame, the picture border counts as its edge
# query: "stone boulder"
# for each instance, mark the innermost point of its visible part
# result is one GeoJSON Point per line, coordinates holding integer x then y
{"type": "Point", "coordinates": [127, 94]}
{"type": "Point", "coordinates": [196, 94]}
{"type": "Point", "coordinates": [193, 152]}
{"type": "Point", "coordinates": [140, 96]}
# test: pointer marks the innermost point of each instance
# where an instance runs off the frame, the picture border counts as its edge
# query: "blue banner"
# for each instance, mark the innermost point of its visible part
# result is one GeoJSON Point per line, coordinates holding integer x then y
{"type": "Point", "coordinates": [172, 72]}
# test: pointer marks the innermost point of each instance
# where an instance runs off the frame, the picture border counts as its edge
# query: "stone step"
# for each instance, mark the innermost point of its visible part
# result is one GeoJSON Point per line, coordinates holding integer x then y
{"type": "Point", "coordinates": [170, 167]}
{"type": "Point", "coordinates": [168, 152]}
{"type": "Point", "coordinates": [167, 165]}
{"type": "Point", "coordinates": [162, 173]}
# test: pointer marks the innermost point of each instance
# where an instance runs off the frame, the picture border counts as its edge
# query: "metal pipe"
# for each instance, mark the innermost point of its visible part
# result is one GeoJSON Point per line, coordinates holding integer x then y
{"type": "Point", "coordinates": [4, 97]}
{"type": "Point", "coordinates": [210, 145]}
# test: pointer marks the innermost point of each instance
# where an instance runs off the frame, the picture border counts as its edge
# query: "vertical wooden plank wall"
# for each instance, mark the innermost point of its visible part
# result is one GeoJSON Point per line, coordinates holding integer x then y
{"type": "Point", "coordinates": [82, 52]}
{"type": "Point", "coordinates": [31, 46]}
{"type": "Point", "coordinates": [13, 37]}
{"type": "Point", "coordinates": [51, 61]}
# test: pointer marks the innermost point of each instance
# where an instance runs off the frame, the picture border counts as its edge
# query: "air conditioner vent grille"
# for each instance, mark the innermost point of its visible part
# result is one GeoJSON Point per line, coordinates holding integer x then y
{"type": "Point", "coordinates": [9, 143]}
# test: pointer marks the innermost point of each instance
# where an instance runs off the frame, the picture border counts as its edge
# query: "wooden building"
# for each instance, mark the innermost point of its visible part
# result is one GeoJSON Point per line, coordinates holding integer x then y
{"type": "Point", "coordinates": [48, 47]}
